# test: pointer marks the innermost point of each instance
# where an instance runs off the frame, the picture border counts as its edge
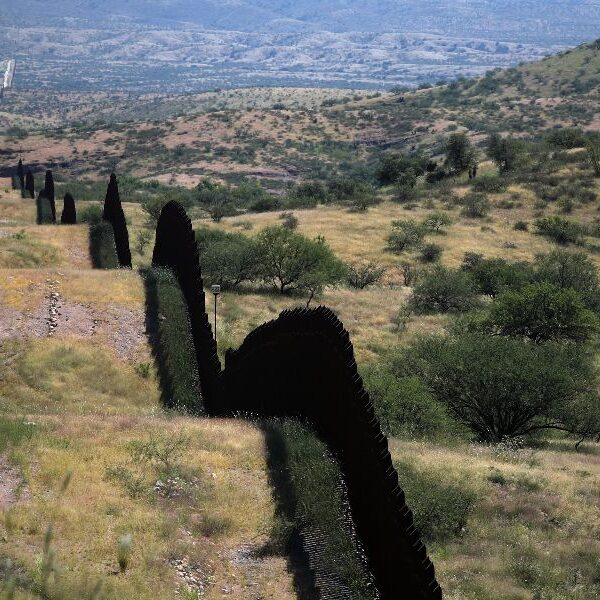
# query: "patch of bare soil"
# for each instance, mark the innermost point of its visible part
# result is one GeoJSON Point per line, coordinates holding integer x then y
{"type": "Point", "coordinates": [121, 328]}
{"type": "Point", "coordinates": [19, 325]}
{"type": "Point", "coordinates": [11, 484]}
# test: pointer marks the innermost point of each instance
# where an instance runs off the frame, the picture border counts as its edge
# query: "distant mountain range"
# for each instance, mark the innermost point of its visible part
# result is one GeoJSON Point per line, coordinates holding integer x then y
{"type": "Point", "coordinates": [194, 45]}
{"type": "Point", "coordinates": [554, 21]}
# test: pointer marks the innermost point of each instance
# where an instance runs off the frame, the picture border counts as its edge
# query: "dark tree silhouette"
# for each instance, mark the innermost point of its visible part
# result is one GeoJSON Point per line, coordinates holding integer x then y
{"type": "Point", "coordinates": [49, 193]}
{"type": "Point", "coordinates": [30, 183]}
{"type": "Point", "coordinates": [21, 176]}
{"type": "Point", "coordinates": [69, 215]}
{"type": "Point", "coordinates": [113, 213]}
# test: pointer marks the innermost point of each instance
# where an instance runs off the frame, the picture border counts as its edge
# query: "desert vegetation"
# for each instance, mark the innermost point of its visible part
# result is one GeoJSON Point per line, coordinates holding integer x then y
{"type": "Point", "coordinates": [465, 270]}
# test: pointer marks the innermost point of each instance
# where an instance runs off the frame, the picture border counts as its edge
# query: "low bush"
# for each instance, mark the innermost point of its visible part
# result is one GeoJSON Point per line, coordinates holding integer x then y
{"type": "Point", "coordinates": [492, 276]}
{"type": "Point", "coordinates": [404, 193]}
{"type": "Point", "coordinates": [570, 270]}
{"type": "Point", "coordinates": [265, 204]}
{"type": "Point", "coordinates": [521, 226]}
{"type": "Point", "coordinates": [14, 432]}
{"type": "Point", "coordinates": [503, 387]}
{"type": "Point", "coordinates": [562, 231]}
{"type": "Point", "coordinates": [405, 235]}
{"type": "Point", "coordinates": [437, 221]}
{"type": "Point", "coordinates": [444, 290]}
{"type": "Point", "coordinates": [91, 214]}
{"type": "Point", "coordinates": [431, 253]}
{"type": "Point", "coordinates": [227, 259]}
{"type": "Point", "coordinates": [475, 206]}
{"type": "Point", "coordinates": [288, 220]}
{"type": "Point", "coordinates": [490, 184]}
{"type": "Point", "coordinates": [361, 276]}
{"type": "Point", "coordinates": [307, 195]}
{"type": "Point", "coordinates": [405, 406]}
{"type": "Point", "coordinates": [287, 260]}
{"type": "Point", "coordinates": [565, 138]}
{"type": "Point", "coordinates": [543, 312]}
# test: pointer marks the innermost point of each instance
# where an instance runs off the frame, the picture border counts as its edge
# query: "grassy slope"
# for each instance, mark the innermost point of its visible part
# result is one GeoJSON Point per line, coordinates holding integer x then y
{"type": "Point", "coordinates": [536, 524]}
{"type": "Point", "coordinates": [81, 406]}
{"type": "Point", "coordinates": [515, 541]}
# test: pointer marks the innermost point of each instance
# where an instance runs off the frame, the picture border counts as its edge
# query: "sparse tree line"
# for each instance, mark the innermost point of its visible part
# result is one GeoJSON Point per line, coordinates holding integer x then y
{"type": "Point", "coordinates": [410, 175]}
{"type": "Point", "coordinates": [278, 257]}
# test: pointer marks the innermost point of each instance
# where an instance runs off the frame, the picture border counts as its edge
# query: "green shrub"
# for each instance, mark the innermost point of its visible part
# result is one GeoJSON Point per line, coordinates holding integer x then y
{"type": "Point", "coordinates": [561, 231]}
{"type": "Point", "coordinates": [475, 205]}
{"type": "Point", "coordinates": [490, 184]}
{"type": "Point", "coordinates": [570, 270]}
{"type": "Point", "coordinates": [431, 253]}
{"type": "Point", "coordinates": [444, 290]}
{"type": "Point", "coordinates": [265, 204]}
{"type": "Point", "coordinates": [405, 235]}
{"type": "Point", "coordinates": [395, 166]}
{"type": "Point", "coordinates": [565, 205]}
{"type": "Point", "coordinates": [124, 552]}
{"type": "Point", "coordinates": [521, 226]}
{"type": "Point", "coordinates": [357, 194]}
{"type": "Point", "coordinates": [441, 509]}
{"type": "Point", "coordinates": [13, 432]}
{"type": "Point", "coordinates": [543, 312]}
{"type": "Point", "coordinates": [492, 276]}
{"type": "Point", "coordinates": [227, 259]}
{"type": "Point", "coordinates": [153, 207]}
{"type": "Point", "coordinates": [360, 276]}
{"type": "Point", "coordinates": [404, 405]}
{"type": "Point", "coordinates": [404, 193]}
{"type": "Point", "coordinates": [436, 221]}
{"type": "Point", "coordinates": [91, 214]}
{"type": "Point", "coordinates": [213, 526]}
{"type": "Point", "coordinates": [502, 387]}
{"type": "Point", "coordinates": [307, 195]}
{"type": "Point", "coordinates": [565, 138]}
{"type": "Point", "coordinates": [505, 152]}
{"type": "Point", "coordinates": [288, 220]}
{"type": "Point", "coordinates": [460, 153]}
{"type": "Point", "coordinates": [102, 246]}
{"type": "Point", "coordinates": [287, 260]}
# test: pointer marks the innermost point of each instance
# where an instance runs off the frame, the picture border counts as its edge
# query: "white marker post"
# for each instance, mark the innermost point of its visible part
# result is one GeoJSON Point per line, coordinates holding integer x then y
{"type": "Point", "coordinates": [216, 290]}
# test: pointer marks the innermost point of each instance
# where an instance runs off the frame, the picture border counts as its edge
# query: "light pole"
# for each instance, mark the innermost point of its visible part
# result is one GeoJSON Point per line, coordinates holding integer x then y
{"type": "Point", "coordinates": [216, 290]}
